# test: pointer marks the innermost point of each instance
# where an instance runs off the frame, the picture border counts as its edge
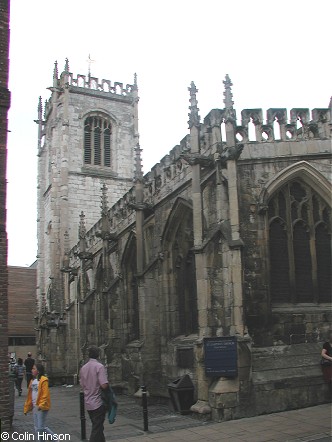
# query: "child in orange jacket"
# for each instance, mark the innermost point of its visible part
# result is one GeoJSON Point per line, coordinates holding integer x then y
{"type": "Point", "coordinates": [38, 400]}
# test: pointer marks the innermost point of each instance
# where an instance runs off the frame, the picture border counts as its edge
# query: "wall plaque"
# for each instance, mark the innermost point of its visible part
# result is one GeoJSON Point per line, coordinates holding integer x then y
{"type": "Point", "coordinates": [220, 356]}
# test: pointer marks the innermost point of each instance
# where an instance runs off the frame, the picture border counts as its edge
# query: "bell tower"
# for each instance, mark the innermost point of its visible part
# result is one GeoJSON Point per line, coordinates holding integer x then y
{"type": "Point", "coordinates": [87, 133]}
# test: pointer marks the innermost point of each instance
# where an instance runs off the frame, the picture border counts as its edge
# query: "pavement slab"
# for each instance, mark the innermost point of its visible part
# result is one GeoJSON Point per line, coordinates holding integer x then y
{"type": "Point", "coordinates": [166, 425]}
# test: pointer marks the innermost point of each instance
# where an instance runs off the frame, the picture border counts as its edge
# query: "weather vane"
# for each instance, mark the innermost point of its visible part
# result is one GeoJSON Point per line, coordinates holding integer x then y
{"type": "Point", "coordinates": [89, 60]}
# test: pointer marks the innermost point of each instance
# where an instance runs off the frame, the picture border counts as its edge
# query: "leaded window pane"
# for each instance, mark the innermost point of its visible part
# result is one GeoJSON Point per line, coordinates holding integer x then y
{"type": "Point", "coordinates": [302, 262]}
{"type": "Point", "coordinates": [324, 264]}
{"type": "Point", "coordinates": [87, 144]}
{"type": "Point", "coordinates": [107, 147]}
{"type": "Point", "coordinates": [97, 147]}
{"type": "Point", "coordinates": [279, 263]}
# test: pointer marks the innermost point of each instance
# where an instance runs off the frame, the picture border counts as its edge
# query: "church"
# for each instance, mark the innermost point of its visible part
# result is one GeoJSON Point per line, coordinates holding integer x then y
{"type": "Point", "coordinates": [215, 264]}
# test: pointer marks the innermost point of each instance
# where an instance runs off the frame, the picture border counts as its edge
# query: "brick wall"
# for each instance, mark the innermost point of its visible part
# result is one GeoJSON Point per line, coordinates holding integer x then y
{"type": "Point", "coordinates": [21, 301]}
{"type": "Point", "coordinates": [5, 408]}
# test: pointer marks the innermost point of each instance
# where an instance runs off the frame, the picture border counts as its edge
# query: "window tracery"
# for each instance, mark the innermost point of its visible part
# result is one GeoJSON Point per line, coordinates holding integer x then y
{"type": "Point", "coordinates": [299, 245]}
{"type": "Point", "coordinates": [184, 278]}
{"type": "Point", "coordinates": [97, 141]}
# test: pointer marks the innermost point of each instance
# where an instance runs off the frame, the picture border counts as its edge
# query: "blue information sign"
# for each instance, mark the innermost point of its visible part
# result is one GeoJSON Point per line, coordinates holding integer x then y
{"type": "Point", "coordinates": [220, 356]}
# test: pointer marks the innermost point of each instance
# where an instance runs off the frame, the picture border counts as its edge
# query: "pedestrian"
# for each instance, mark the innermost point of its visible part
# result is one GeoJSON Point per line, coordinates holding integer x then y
{"type": "Point", "coordinates": [326, 361]}
{"type": "Point", "coordinates": [12, 363]}
{"type": "Point", "coordinates": [29, 363]}
{"type": "Point", "coordinates": [19, 371]}
{"type": "Point", "coordinates": [93, 377]}
{"type": "Point", "coordinates": [39, 402]}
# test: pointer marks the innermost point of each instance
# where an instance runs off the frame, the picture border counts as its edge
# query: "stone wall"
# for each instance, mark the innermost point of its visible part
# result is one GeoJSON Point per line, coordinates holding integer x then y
{"type": "Point", "coordinates": [6, 406]}
{"type": "Point", "coordinates": [287, 377]}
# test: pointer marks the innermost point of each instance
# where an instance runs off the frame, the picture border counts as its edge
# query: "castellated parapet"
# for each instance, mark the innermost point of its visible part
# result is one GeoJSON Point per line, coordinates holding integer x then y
{"type": "Point", "coordinates": [93, 83]}
{"type": "Point", "coordinates": [280, 135]}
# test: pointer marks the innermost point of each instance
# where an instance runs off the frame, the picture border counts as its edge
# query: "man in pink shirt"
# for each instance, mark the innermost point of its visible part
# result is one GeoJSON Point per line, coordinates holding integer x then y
{"type": "Point", "coordinates": [93, 377]}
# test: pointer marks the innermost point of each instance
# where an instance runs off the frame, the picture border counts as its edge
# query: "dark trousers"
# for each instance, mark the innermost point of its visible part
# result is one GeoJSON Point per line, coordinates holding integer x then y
{"type": "Point", "coordinates": [29, 377]}
{"type": "Point", "coordinates": [18, 385]}
{"type": "Point", "coordinates": [97, 418]}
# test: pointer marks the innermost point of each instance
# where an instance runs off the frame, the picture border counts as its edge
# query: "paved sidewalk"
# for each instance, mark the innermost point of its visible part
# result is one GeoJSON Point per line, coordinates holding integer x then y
{"type": "Point", "coordinates": [308, 424]}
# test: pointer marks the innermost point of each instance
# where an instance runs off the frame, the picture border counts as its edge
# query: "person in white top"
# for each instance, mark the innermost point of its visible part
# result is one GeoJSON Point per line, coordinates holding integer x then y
{"type": "Point", "coordinates": [39, 401]}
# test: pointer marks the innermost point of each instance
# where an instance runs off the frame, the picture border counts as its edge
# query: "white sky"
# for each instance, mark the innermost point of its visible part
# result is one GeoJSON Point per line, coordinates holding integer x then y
{"type": "Point", "coordinates": [277, 54]}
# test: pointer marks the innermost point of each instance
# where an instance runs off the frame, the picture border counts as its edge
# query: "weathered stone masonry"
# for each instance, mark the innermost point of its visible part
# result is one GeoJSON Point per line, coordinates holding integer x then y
{"type": "Point", "coordinates": [227, 235]}
{"type": "Point", "coordinates": [6, 411]}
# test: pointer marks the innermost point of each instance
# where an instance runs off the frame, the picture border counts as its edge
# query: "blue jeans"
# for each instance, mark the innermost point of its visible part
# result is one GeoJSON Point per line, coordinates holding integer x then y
{"type": "Point", "coordinates": [39, 418]}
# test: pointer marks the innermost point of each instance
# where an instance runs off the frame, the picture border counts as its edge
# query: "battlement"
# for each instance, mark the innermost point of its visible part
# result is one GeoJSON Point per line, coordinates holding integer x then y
{"type": "Point", "coordinates": [89, 82]}
{"type": "Point", "coordinates": [275, 127]}
{"type": "Point", "coordinates": [93, 83]}
{"type": "Point", "coordinates": [278, 126]}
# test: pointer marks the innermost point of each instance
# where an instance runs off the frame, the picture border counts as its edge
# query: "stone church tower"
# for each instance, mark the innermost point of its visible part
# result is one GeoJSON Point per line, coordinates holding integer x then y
{"type": "Point", "coordinates": [86, 139]}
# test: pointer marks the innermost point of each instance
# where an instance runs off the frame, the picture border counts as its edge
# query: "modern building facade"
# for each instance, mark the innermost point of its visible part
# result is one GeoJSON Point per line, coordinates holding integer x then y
{"type": "Point", "coordinates": [22, 310]}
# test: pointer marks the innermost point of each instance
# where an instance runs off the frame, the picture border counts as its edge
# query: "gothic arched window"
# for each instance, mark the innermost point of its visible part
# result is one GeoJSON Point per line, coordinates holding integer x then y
{"type": "Point", "coordinates": [299, 245]}
{"type": "Point", "coordinates": [179, 271]}
{"type": "Point", "coordinates": [97, 141]}
{"type": "Point", "coordinates": [185, 277]}
{"type": "Point", "coordinates": [129, 268]}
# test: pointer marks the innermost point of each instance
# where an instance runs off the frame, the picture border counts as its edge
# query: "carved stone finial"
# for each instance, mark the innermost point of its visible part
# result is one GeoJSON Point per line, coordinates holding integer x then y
{"type": "Point", "coordinates": [67, 65]}
{"type": "Point", "coordinates": [40, 108]}
{"type": "Point", "coordinates": [138, 163]}
{"type": "Point", "coordinates": [134, 86]}
{"type": "Point", "coordinates": [105, 221]}
{"type": "Point", "coordinates": [230, 114]}
{"type": "Point", "coordinates": [228, 100]}
{"type": "Point", "coordinates": [83, 254]}
{"type": "Point", "coordinates": [104, 205]}
{"type": "Point", "coordinates": [194, 118]}
{"type": "Point", "coordinates": [55, 71]}
{"type": "Point", "coordinates": [82, 229]}
{"type": "Point", "coordinates": [45, 107]}
{"type": "Point", "coordinates": [65, 261]}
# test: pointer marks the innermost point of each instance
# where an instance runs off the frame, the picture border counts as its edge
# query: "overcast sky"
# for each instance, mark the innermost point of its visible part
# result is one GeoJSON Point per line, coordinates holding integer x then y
{"type": "Point", "coordinates": [277, 54]}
